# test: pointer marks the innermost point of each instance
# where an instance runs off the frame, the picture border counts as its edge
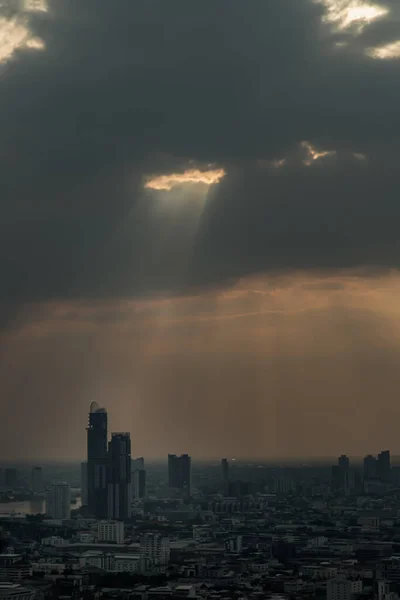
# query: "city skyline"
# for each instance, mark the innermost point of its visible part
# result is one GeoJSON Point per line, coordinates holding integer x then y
{"type": "Point", "coordinates": [199, 305]}
{"type": "Point", "coordinates": [199, 226]}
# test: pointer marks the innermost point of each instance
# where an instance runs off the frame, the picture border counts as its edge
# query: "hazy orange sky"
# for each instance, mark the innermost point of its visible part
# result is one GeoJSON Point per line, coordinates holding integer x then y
{"type": "Point", "coordinates": [302, 364]}
{"type": "Point", "coordinates": [200, 226]}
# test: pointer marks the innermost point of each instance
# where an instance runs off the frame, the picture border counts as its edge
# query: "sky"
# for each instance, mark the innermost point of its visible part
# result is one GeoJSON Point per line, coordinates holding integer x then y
{"type": "Point", "coordinates": [199, 226]}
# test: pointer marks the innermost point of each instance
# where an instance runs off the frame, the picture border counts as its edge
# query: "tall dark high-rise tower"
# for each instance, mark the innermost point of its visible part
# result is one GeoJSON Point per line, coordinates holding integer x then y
{"type": "Point", "coordinates": [225, 470]}
{"type": "Point", "coordinates": [174, 467]}
{"type": "Point", "coordinates": [344, 462]}
{"type": "Point", "coordinates": [225, 475]}
{"type": "Point", "coordinates": [179, 472]}
{"type": "Point", "coordinates": [383, 466]}
{"type": "Point", "coordinates": [97, 461]}
{"type": "Point", "coordinates": [186, 474]}
{"type": "Point", "coordinates": [343, 477]}
{"type": "Point", "coordinates": [369, 468]}
{"type": "Point", "coordinates": [119, 476]}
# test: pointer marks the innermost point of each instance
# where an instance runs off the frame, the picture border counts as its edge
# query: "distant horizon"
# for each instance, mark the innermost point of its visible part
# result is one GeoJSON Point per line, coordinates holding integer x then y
{"type": "Point", "coordinates": [253, 461]}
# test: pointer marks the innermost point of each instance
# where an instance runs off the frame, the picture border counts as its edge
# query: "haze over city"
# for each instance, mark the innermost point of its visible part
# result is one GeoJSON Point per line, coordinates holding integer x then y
{"type": "Point", "coordinates": [199, 226]}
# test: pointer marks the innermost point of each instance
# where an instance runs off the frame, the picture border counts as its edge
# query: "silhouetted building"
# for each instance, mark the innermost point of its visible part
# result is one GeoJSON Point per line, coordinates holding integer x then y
{"type": "Point", "coordinates": [37, 480]}
{"type": "Point", "coordinates": [138, 478]}
{"type": "Point", "coordinates": [239, 488]}
{"type": "Point", "coordinates": [179, 473]}
{"type": "Point", "coordinates": [173, 471]}
{"type": "Point", "coordinates": [383, 466]}
{"type": "Point", "coordinates": [225, 470]}
{"type": "Point", "coordinates": [370, 467]}
{"type": "Point", "coordinates": [186, 473]}
{"type": "Point", "coordinates": [336, 479]}
{"type": "Point", "coordinates": [84, 483]}
{"type": "Point", "coordinates": [343, 478]}
{"type": "Point", "coordinates": [138, 464]}
{"type": "Point", "coordinates": [10, 478]}
{"type": "Point", "coordinates": [119, 476]}
{"type": "Point", "coordinates": [97, 461]}
{"type": "Point", "coordinates": [284, 485]}
{"type": "Point", "coordinates": [59, 501]}
{"type": "Point", "coordinates": [395, 475]}
{"type": "Point", "coordinates": [138, 484]}
{"type": "Point", "coordinates": [344, 462]}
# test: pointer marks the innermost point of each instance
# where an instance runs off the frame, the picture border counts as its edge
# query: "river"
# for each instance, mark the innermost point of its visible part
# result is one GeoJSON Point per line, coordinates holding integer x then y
{"type": "Point", "coordinates": [30, 507]}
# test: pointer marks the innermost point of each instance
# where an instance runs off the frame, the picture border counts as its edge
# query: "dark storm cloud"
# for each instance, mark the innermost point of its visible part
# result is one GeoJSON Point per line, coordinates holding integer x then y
{"type": "Point", "coordinates": [124, 89]}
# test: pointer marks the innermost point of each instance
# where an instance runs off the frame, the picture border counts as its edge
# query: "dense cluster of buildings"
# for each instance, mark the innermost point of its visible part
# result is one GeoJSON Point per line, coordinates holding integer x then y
{"type": "Point", "coordinates": [375, 474]}
{"type": "Point", "coordinates": [213, 532]}
{"type": "Point", "coordinates": [111, 479]}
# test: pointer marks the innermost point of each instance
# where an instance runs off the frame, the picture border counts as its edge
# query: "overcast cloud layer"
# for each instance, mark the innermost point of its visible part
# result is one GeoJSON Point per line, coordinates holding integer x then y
{"type": "Point", "coordinates": [129, 88]}
{"type": "Point", "coordinates": [296, 101]}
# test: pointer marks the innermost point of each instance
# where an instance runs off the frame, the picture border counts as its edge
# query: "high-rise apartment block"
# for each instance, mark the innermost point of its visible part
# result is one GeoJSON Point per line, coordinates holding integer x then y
{"type": "Point", "coordinates": [179, 473]}
{"type": "Point", "coordinates": [284, 485]}
{"type": "Point", "coordinates": [138, 484]}
{"type": "Point", "coordinates": [341, 588]}
{"type": "Point", "coordinates": [138, 478]}
{"type": "Point", "coordinates": [84, 483]}
{"type": "Point", "coordinates": [59, 501]}
{"type": "Point", "coordinates": [97, 461]}
{"type": "Point", "coordinates": [343, 477]}
{"type": "Point", "coordinates": [370, 470]}
{"type": "Point", "coordinates": [383, 466]}
{"type": "Point", "coordinates": [106, 477]}
{"type": "Point", "coordinates": [154, 548]}
{"type": "Point", "coordinates": [344, 462]}
{"type": "Point", "coordinates": [10, 478]}
{"type": "Point", "coordinates": [138, 464]}
{"type": "Point", "coordinates": [119, 476]}
{"type": "Point", "coordinates": [37, 480]}
{"type": "Point", "coordinates": [225, 470]}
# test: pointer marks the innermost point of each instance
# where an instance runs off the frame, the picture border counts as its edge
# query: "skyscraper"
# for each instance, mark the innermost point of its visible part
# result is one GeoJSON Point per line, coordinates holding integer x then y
{"type": "Point", "coordinates": [119, 476]}
{"type": "Point", "coordinates": [11, 478]}
{"type": "Point", "coordinates": [179, 473]}
{"type": "Point", "coordinates": [383, 466]}
{"type": "Point", "coordinates": [138, 484]}
{"type": "Point", "coordinates": [344, 462]}
{"type": "Point", "coordinates": [97, 461]}
{"type": "Point", "coordinates": [37, 480]}
{"type": "Point", "coordinates": [138, 478]}
{"type": "Point", "coordinates": [369, 467]}
{"type": "Point", "coordinates": [84, 483]}
{"type": "Point", "coordinates": [343, 478]}
{"type": "Point", "coordinates": [186, 474]}
{"type": "Point", "coordinates": [59, 501]}
{"type": "Point", "coordinates": [225, 475]}
{"type": "Point", "coordinates": [138, 463]}
{"type": "Point", "coordinates": [173, 471]}
{"type": "Point", "coordinates": [225, 470]}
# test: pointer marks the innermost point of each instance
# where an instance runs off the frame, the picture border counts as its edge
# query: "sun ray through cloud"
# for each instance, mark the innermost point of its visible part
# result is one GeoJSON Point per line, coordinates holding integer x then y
{"type": "Point", "coordinates": [389, 51]}
{"type": "Point", "coordinates": [313, 154]}
{"type": "Point", "coordinates": [195, 176]}
{"type": "Point", "coordinates": [351, 15]}
{"type": "Point", "coordinates": [15, 35]}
